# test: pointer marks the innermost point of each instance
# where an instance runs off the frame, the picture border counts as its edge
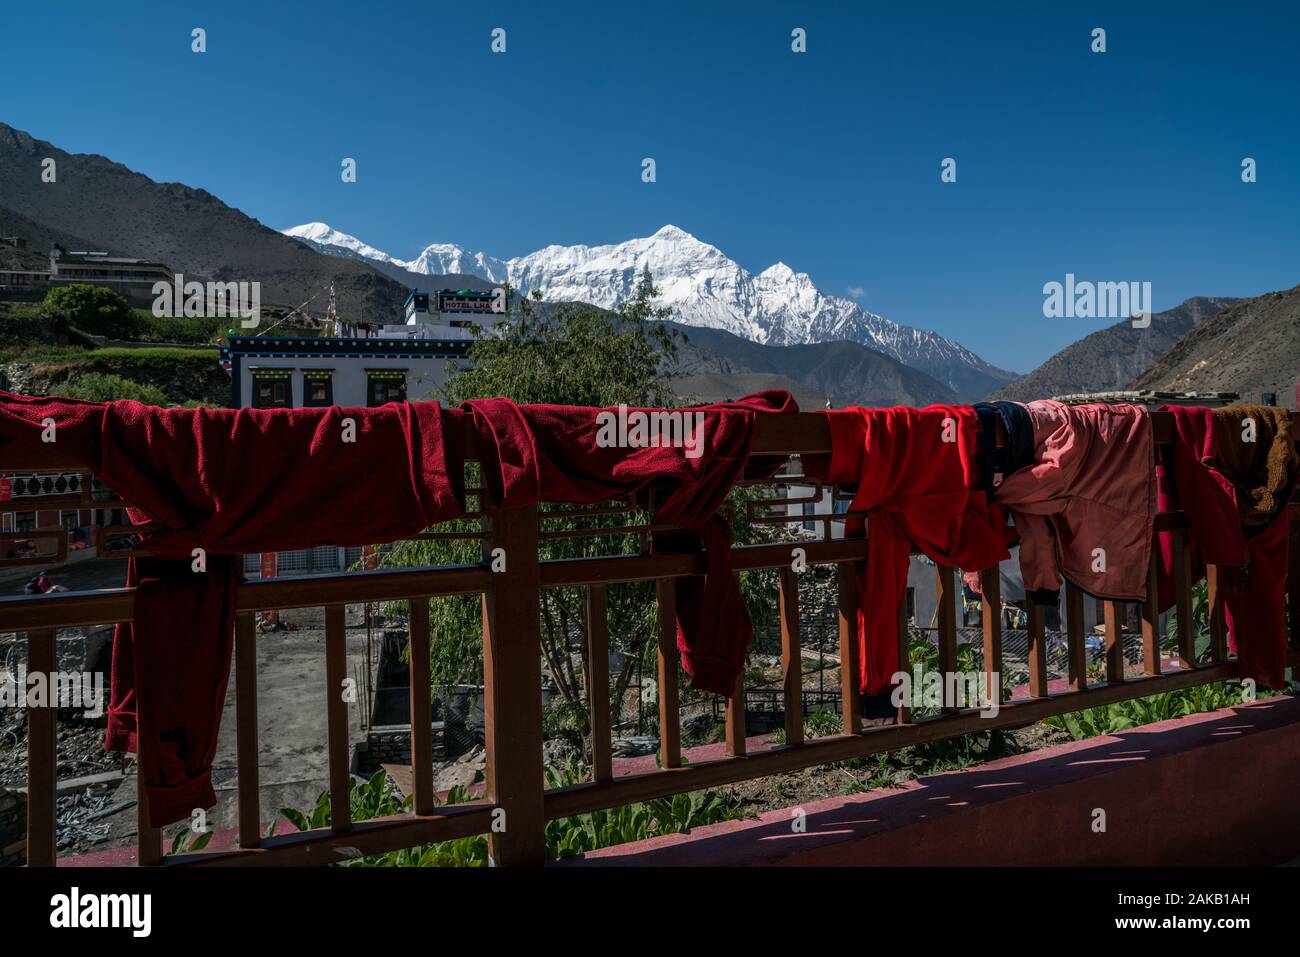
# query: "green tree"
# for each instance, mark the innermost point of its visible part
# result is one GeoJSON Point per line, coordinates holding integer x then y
{"type": "Point", "coordinates": [575, 355]}
{"type": "Point", "coordinates": [92, 309]}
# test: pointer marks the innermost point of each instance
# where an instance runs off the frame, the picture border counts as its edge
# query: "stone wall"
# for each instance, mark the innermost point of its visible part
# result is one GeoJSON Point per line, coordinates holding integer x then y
{"type": "Point", "coordinates": [13, 828]}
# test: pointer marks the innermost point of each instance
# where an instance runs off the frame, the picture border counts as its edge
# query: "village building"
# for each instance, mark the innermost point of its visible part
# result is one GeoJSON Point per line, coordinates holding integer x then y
{"type": "Point", "coordinates": [362, 365]}
{"type": "Point", "coordinates": [354, 366]}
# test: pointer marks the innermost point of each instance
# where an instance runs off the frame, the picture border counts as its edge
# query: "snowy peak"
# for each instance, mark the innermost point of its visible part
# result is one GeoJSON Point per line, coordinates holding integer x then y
{"type": "Point", "coordinates": [442, 258]}
{"type": "Point", "coordinates": [778, 272]}
{"type": "Point", "coordinates": [706, 288]}
{"type": "Point", "coordinates": [324, 235]}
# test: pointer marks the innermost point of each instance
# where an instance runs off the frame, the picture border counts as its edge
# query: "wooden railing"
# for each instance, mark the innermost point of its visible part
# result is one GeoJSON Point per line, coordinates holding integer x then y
{"type": "Point", "coordinates": [517, 803]}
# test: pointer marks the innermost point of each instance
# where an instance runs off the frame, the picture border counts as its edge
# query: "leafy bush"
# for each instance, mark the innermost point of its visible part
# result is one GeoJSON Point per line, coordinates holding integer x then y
{"type": "Point", "coordinates": [564, 837]}
{"type": "Point", "coordinates": [105, 387]}
{"type": "Point", "coordinates": [91, 309]}
{"type": "Point", "coordinates": [1124, 715]}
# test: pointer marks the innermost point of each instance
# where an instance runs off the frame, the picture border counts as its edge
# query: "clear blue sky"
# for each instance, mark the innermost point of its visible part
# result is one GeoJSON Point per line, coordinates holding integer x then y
{"type": "Point", "coordinates": [1115, 166]}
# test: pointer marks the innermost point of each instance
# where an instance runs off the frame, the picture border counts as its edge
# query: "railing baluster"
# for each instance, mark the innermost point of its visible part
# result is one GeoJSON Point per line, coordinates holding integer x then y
{"type": "Point", "coordinates": [512, 679]}
{"type": "Point", "coordinates": [735, 719]}
{"type": "Point", "coordinates": [336, 714]}
{"type": "Point", "coordinates": [149, 849]}
{"type": "Point", "coordinates": [1076, 642]}
{"type": "Point", "coordinates": [670, 736]}
{"type": "Point", "coordinates": [850, 667]}
{"type": "Point", "coordinates": [991, 619]}
{"type": "Point", "coordinates": [1218, 623]}
{"type": "Point", "coordinates": [904, 659]}
{"type": "Point", "coordinates": [1151, 618]}
{"type": "Point", "coordinates": [602, 759]}
{"type": "Point", "coordinates": [850, 654]}
{"type": "Point", "coordinates": [421, 707]}
{"type": "Point", "coordinates": [246, 748]}
{"type": "Point", "coordinates": [736, 726]}
{"type": "Point", "coordinates": [1114, 617]}
{"type": "Point", "coordinates": [791, 656]}
{"type": "Point", "coordinates": [42, 753]}
{"type": "Point", "coordinates": [946, 608]}
{"type": "Point", "coordinates": [1183, 600]}
{"type": "Point", "coordinates": [1037, 629]}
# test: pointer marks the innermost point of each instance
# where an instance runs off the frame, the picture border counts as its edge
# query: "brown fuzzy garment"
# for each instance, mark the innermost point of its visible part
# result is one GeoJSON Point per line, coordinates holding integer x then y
{"type": "Point", "coordinates": [1264, 471]}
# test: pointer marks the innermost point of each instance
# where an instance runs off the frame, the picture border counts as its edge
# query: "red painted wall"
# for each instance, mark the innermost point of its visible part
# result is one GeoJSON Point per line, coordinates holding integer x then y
{"type": "Point", "coordinates": [1213, 789]}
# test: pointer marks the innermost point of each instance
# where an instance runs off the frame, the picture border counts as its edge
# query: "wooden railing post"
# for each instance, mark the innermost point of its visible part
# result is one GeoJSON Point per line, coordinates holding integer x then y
{"type": "Point", "coordinates": [250, 808]}
{"type": "Point", "coordinates": [791, 656]}
{"type": "Point", "coordinates": [597, 679]}
{"type": "Point", "coordinates": [1036, 629]}
{"type": "Point", "coordinates": [850, 654]}
{"type": "Point", "coordinates": [991, 620]}
{"type": "Point", "coordinates": [670, 734]}
{"type": "Point", "coordinates": [512, 686]}
{"type": "Point", "coordinates": [946, 609]}
{"type": "Point", "coordinates": [1076, 643]}
{"type": "Point", "coordinates": [42, 759]}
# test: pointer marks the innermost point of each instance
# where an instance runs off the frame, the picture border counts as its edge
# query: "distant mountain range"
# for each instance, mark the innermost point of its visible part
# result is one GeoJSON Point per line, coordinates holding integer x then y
{"type": "Point", "coordinates": [1110, 358]}
{"type": "Point", "coordinates": [742, 328]}
{"type": "Point", "coordinates": [707, 290]}
{"type": "Point", "coordinates": [845, 372]}
{"type": "Point", "coordinates": [1251, 346]}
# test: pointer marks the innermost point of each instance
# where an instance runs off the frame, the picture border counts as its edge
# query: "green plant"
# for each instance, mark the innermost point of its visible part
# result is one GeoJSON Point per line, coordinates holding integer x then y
{"type": "Point", "coordinates": [189, 842]}
{"type": "Point", "coordinates": [630, 822]}
{"type": "Point", "coordinates": [1124, 715]}
{"type": "Point", "coordinates": [564, 836]}
{"type": "Point", "coordinates": [888, 768]}
{"type": "Point", "coordinates": [103, 387]}
{"type": "Point", "coordinates": [92, 309]}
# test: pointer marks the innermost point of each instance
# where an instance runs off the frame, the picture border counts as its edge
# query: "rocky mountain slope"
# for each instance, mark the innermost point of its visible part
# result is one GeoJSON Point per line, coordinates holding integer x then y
{"type": "Point", "coordinates": [119, 211]}
{"type": "Point", "coordinates": [1250, 347]}
{"type": "Point", "coordinates": [848, 373]}
{"type": "Point", "coordinates": [1110, 358]}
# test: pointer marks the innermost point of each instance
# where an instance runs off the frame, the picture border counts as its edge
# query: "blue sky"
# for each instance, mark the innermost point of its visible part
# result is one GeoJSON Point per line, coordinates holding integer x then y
{"type": "Point", "coordinates": [1117, 166]}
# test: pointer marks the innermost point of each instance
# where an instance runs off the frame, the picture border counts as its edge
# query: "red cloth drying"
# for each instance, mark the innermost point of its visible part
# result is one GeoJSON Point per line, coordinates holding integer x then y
{"type": "Point", "coordinates": [1201, 480]}
{"type": "Point", "coordinates": [555, 453]}
{"type": "Point", "coordinates": [916, 472]}
{"type": "Point", "coordinates": [230, 481]}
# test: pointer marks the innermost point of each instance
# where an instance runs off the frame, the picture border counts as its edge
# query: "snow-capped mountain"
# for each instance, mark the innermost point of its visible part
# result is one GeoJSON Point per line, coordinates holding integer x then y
{"type": "Point", "coordinates": [777, 306]}
{"type": "Point", "coordinates": [442, 258]}
{"type": "Point", "coordinates": [320, 234]}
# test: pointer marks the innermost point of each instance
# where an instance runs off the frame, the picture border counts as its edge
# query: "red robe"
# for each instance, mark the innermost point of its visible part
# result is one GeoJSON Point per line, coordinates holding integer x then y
{"type": "Point", "coordinates": [556, 453]}
{"type": "Point", "coordinates": [916, 472]}
{"type": "Point", "coordinates": [229, 482]}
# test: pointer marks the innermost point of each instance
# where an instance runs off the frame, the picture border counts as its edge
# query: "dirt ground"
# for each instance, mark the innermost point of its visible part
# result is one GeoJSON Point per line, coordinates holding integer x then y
{"type": "Point", "coordinates": [293, 767]}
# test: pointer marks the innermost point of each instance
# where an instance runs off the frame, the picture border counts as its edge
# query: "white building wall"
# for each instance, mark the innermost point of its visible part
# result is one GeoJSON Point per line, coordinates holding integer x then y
{"type": "Point", "coordinates": [350, 378]}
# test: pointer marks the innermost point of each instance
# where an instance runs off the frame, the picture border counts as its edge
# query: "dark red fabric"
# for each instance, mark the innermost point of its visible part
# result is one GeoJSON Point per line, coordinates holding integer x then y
{"type": "Point", "coordinates": [1253, 561]}
{"type": "Point", "coordinates": [551, 453]}
{"type": "Point", "coordinates": [1254, 606]}
{"type": "Point", "coordinates": [916, 473]}
{"type": "Point", "coordinates": [1211, 501]}
{"type": "Point", "coordinates": [230, 481]}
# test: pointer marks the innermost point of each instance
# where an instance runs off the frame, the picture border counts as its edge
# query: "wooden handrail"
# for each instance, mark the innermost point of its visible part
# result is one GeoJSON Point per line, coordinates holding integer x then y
{"type": "Point", "coordinates": [517, 805]}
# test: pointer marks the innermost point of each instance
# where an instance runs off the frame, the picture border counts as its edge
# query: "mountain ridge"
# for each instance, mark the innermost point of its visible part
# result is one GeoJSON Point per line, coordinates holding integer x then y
{"type": "Point", "coordinates": [707, 289]}
{"type": "Point", "coordinates": [1110, 358]}
{"type": "Point", "coordinates": [117, 210]}
{"type": "Point", "coordinates": [1250, 347]}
